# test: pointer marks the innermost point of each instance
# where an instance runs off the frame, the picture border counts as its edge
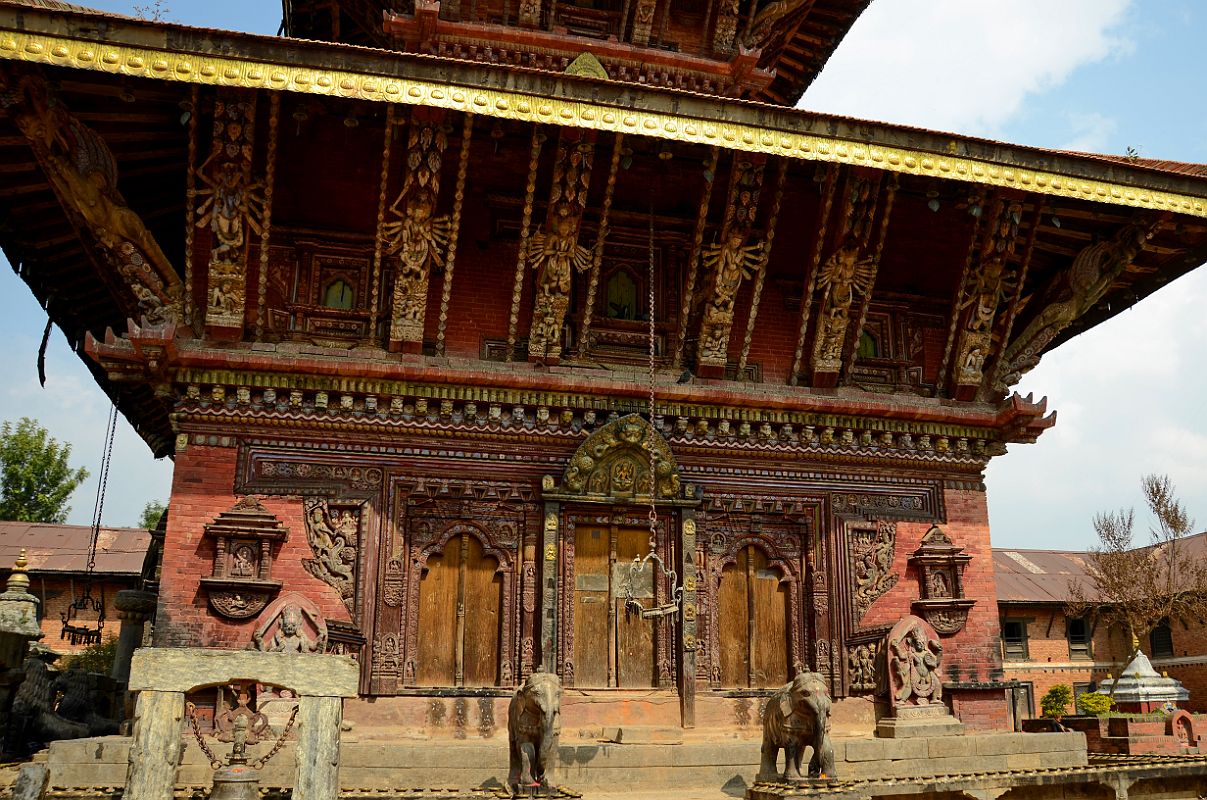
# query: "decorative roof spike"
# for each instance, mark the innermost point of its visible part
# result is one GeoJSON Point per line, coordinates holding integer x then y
{"type": "Point", "coordinates": [18, 579]}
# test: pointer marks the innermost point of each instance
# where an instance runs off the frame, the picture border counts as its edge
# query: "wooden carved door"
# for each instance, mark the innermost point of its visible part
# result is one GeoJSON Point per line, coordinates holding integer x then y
{"type": "Point", "coordinates": [460, 614]}
{"type": "Point", "coordinates": [613, 646]}
{"type": "Point", "coordinates": [754, 622]}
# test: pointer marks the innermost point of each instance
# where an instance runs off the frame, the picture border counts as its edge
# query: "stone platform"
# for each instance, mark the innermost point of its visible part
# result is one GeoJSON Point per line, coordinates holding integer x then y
{"type": "Point", "coordinates": [700, 764]}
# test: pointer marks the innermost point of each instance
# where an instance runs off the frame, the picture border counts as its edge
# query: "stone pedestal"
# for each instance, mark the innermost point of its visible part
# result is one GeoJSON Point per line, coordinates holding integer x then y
{"type": "Point", "coordinates": [912, 721]}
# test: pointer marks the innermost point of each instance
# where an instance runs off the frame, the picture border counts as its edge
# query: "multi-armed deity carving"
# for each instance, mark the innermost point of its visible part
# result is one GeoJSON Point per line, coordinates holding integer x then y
{"type": "Point", "coordinates": [847, 276]}
{"type": "Point", "coordinates": [1072, 293]}
{"type": "Point", "coordinates": [554, 252]}
{"type": "Point", "coordinates": [991, 284]}
{"type": "Point", "coordinates": [83, 172]}
{"type": "Point", "coordinates": [233, 202]}
{"type": "Point", "coordinates": [732, 259]}
{"type": "Point", "coordinates": [334, 536]}
{"type": "Point", "coordinates": [914, 653]}
{"type": "Point", "coordinates": [872, 551]}
{"type": "Point", "coordinates": [415, 238]}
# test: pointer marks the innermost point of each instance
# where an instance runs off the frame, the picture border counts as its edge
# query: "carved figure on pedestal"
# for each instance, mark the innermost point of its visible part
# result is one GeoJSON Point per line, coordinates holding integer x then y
{"type": "Point", "coordinates": [914, 658]}
{"type": "Point", "coordinates": [797, 717]}
{"type": "Point", "coordinates": [533, 725]}
{"type": "Point", "coordinates": [844, 278]}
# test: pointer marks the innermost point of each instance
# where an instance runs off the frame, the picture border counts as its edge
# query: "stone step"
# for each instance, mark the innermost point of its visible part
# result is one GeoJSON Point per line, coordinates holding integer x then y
{"type": "Point", "coordinates": [695, 763]}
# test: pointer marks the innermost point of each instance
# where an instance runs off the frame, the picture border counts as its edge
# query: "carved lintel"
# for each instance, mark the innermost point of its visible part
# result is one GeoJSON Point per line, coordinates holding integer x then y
{"type": "Point", "coordinates": [554, 251]}
{"type": "Point", "coordinates": [730, 261]}
{"type": "Point", "coordinates": [233, 203]}
{"type": "Point", "coordinates": [415, 238]}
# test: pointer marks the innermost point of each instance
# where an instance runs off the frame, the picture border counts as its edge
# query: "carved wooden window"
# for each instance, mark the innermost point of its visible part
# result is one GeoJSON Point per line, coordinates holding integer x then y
{"type": "Point", "coordinates": [612, 645]}
{"type": "Point", "coordinates": [1079, 639]}
{"type": "Point", "coordinates": [868, 346]}
{"type": "Point", "coordinates": [340, 294]}
{"type": "Point", "coordinates": [460, 605]}
{"type": "Point", "coordinates": [754, 622]}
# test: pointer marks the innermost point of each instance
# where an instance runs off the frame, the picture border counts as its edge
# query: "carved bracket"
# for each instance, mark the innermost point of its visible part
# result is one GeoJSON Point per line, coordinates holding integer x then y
{"type": "Point", "coordinates": [872, 549]}
{"type": "Point", "coordinates": [333, 531]}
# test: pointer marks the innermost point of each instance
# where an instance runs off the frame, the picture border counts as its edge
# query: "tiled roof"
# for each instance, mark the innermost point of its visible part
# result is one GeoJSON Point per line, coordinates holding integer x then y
{"type": "Point", "coordinates": [64, 548]}
{"type": "Point", "coordinates": [1046, 576]}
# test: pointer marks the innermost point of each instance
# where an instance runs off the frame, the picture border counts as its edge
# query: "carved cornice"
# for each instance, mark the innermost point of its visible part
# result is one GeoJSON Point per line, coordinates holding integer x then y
{"type": "Point", "coordinates": [233, 70]}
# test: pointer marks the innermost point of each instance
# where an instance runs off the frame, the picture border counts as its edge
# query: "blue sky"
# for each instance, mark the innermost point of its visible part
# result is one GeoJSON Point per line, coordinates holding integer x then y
{"type": "Point", "coordinates": [1098, 75]}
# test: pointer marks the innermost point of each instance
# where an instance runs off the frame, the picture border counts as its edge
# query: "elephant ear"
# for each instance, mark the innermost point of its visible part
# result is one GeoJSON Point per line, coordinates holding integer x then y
{"type": "Point", "coordinates": [785, 701]}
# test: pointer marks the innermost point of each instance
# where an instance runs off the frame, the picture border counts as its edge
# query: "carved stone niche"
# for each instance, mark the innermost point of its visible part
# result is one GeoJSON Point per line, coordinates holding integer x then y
{"type": "Point", "coordinates": [940, 564]}
{"type": "Point", "coordinates": [241, 583]}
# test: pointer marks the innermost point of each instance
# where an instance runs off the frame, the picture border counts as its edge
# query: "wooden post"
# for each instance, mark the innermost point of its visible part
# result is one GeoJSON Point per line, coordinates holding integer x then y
{"type": "Point", "coordinates": [687, 641]}
{"type": "Point", "coordinates": [156, 749]}
{"type": "Point", "coordinates": [549, 565]}
{"type": "Point", "coordinates": [317, 753]}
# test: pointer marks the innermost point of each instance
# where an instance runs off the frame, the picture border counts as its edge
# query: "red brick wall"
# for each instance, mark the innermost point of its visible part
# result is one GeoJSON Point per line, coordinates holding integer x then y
{"type": "Point", "coordinates": [57, 592]}
{"type": "Point", "coordinates": [973, 654]}
{"type": "Point", "coordinates": [201, 489]}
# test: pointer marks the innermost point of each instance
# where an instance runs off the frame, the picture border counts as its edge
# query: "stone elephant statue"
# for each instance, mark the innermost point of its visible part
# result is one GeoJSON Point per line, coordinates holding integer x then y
{"type": "Point", "coordinates": [798, 716]}
{"type": "Point", "coordinates": [533, 724]}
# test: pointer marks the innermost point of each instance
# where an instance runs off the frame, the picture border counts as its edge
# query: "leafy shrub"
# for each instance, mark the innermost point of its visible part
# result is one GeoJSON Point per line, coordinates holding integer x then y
{"type": "Point", "coordinates": [1057, 700]}
{"type": "Point", "coordinates": [93, 658]}
{"type": "Point", "coordinates": [1095, 703]}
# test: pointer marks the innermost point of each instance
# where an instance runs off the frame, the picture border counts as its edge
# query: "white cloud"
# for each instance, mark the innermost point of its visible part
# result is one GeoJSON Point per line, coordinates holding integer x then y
{"type": "Point", "coordinates": [956, 65]}
{"type": "Point", "coordinates": [1091, 132]}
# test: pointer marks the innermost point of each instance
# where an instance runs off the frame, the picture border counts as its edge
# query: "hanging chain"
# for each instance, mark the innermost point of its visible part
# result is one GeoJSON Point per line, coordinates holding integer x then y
{"type": "Point", "coordinates": [638, 566]}
{"type": "Point", "coordinates": [205, 748]}
{"type": "Point", "coordinates": [74, 633]}
{"type": "Point", "coordinates": [276, 748]}
{"type": "Point", "coordinates": [259, 763]}
{"type": "Point", "coordinates": [103, 481]}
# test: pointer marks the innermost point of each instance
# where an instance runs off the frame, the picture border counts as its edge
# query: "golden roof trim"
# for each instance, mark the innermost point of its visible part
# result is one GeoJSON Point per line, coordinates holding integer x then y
{"type": "Point", "coordinates": [221, 70]}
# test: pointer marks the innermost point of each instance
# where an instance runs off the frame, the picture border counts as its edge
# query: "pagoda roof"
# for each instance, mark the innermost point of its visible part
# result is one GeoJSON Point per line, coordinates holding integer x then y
{"type": "Point", "coordinates": [98, 60]}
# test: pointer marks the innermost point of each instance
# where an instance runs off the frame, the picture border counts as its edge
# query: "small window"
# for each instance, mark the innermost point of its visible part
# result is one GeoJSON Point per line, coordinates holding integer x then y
{"type": "Point", "coordinates": [339, 295]}
{"type": "Point", "coordinates": [1160, 641]}
{"type": "Point", "coordinates": [1014, 639]}
{"type": "Point", "coordinates": [621, 296]}
{"type": "Point", "coordinates": [868, 346]}
{"type": "Point", "coordinates": [1079, 639]}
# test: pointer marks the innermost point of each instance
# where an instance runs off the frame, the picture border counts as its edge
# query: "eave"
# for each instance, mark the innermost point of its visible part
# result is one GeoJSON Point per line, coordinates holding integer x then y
{"type": "Point", "coordinates": [213, 58]}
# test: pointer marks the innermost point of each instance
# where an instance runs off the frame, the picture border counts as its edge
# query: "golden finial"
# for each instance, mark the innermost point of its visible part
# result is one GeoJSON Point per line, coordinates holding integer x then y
{"type": "Point", "coordinates": [1135, 643]}
{"type": "Point", "coordinates": [18, 579]}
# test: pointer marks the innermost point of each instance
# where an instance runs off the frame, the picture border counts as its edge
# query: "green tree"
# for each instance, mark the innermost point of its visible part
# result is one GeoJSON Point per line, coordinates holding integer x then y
{"type": "Point", "coordinates": [151, 513]}
{"type": "Point", "coordinates": [35, 478]}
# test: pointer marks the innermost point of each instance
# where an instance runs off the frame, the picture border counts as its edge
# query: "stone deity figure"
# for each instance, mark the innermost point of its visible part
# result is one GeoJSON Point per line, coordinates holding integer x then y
{"type": "Point", "coordinates": [914, 653]}
{"type": "Point", "coordinates": [289, 636]}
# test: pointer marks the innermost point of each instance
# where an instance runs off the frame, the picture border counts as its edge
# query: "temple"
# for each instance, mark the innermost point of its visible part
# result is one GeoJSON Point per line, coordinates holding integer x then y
{"type": "Point", "coordinates": [493, 338]}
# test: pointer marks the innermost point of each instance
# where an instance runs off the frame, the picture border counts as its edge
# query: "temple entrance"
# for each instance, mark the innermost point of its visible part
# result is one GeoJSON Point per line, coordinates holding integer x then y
{"type": "Point", "coordinates": [602, 623]}
{"type": "Point", "coordinates": [460, 599]}
{"type": "Point", "coordinates": [753, 612]}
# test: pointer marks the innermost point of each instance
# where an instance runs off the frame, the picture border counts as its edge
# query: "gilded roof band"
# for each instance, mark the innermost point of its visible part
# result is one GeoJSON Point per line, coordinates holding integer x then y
{"type": "Point", "coordinates": [218, 70]}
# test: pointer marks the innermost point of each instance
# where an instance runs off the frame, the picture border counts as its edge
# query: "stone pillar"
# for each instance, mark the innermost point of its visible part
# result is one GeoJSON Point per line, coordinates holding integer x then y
{"type": "Point", "coordinates": [317, 752]}
{"type": "Point", "coordinates": [134, 608]}
{"type": "Point", "coordinates": [155, 751]}
{"type": "Point", "coordinates": [18, 617]}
